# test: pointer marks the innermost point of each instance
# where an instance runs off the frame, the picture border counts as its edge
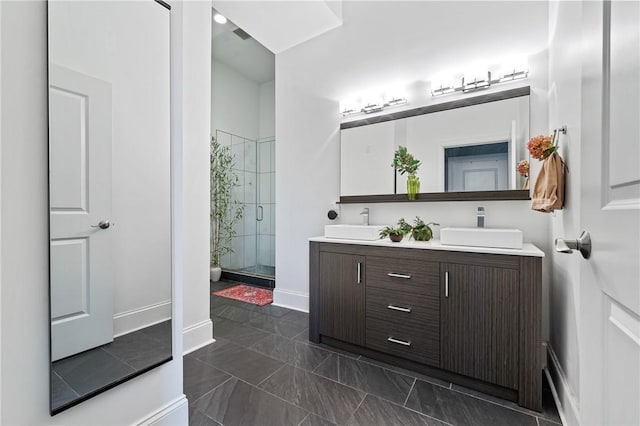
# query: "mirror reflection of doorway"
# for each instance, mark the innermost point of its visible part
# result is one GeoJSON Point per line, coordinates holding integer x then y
{"type": "Point", "coordinates": [109, 195]}
{"type": "Point", "coordinates": [482, 167]}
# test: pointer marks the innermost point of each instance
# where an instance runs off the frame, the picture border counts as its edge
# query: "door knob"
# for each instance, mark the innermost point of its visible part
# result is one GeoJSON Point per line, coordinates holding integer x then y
{"type": "Point", "coordinates": [103, 224]}
{"type": "Point", "coordinates": [582, 244]}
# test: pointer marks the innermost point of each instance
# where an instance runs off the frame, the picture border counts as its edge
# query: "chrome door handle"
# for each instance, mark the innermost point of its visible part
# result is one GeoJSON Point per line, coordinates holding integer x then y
{"type": "Point", "coordinates": [359, 273]}
{"type": "Point", "coordinates": [582, 244]}
{"type": "Point", "coordinates": [399, 308]}
{"type": "Point", "coordinates": [103, 224]}
{"type": "Point", "coordinates": [394, 275]}
{"type": "Point", "coordinates": [399, 342]}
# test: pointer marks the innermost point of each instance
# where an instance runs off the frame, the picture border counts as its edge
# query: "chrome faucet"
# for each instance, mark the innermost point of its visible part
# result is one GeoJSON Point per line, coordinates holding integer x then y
{"type": "Point", "coordinates": [365, 216]}
{"type": "Point", "coordinates": [480, 217]}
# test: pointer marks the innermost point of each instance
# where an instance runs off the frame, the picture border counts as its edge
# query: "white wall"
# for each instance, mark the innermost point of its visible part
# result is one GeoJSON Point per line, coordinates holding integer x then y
{"type": "Point", "coordinates": [24, 323]}
{"type": "Point", "coordinates": [313, 77]}
{"type": "Point", "coordinates": [267, 109]}
{"type": "Point", "coordinates": [196, 131]}
{"type": "Point", "coordinates": [141, 197]}
{"type": "Point", "coordinates": [235, 102]}
{"type": "Point", "coordinates": [565, 104]}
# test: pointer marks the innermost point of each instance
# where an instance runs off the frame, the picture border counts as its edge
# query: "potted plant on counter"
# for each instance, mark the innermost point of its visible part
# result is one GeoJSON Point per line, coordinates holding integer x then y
{"type": "Point", "coordinates": [421, 231]}
{"type": "Point", "coordinates": [396, 234]}
{"type": "Point", "coordinates": [225, 212]}
{"type": "Point", "coordinates": [405, 163]}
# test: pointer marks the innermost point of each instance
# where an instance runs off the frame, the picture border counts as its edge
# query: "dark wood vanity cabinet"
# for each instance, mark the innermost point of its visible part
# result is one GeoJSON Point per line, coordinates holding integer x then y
{"type": "Point", "coordinates": [479, 327]}
{"type": "Point", "coordinates": [470, 318]}
{"type": "Point", "coordinates": [341, 298]}
{"type": "Point", "coordinates": [402, 313]}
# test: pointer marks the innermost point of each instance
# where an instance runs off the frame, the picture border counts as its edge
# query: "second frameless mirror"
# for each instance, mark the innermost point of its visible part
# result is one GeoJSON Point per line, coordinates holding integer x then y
{"type": "Point", "coordinates": [467, 148]}
{"type": "Point", "coordinates": [110, 194]}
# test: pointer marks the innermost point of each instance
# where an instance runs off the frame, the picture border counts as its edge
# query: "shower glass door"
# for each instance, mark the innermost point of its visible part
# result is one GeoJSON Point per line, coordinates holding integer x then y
{"type": "Point", "coordinates": [266, 210]}
{"type": "Point", "coordinates": [253, 245]}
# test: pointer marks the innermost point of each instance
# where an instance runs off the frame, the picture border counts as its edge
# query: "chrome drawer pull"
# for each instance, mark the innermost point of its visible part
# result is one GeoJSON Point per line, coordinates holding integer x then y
{"type": "Point", "coordinates": [399, 342]}
{"type": "Point", "coordinates": [394, 275]}
{"type": "Point", "coordinates": [398, 308]}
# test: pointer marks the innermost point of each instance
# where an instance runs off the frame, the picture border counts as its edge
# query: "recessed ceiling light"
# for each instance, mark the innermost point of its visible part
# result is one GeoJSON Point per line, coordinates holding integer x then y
{"type": "Point", "coordinates": [219, 19]}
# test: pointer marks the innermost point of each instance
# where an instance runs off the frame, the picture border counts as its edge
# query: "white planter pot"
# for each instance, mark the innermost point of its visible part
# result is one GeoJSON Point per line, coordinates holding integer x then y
{"type": "Point", "coordinates": [214, 273]}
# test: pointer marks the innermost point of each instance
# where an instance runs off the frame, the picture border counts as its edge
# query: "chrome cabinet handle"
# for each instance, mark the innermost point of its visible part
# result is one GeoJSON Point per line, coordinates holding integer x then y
{"type": "Point", "coordinates": [260, 214]}
{"type": "Point", "coordinates": [446, 284]}
{"type": "Point", "coordinates": [399, 308]}
{"type": "Point", "coordinates": [103, 224]}
{"type": "Point", "coordinates": [394, 275]}
{"type": "Point", "coordinates": [359, 273]}
{"type": "Point", "coordinates": [399, 342]}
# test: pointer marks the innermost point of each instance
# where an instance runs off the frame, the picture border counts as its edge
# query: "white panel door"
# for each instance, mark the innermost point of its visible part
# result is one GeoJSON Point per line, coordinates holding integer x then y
{"type": "Point", "coordinates": [80, 198]}
{"type": "Point", "coordinates": [610, 211]}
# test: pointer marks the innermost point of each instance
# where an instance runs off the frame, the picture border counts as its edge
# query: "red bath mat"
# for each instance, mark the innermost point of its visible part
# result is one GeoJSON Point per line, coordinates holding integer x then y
{"type": "Point", "coordinates": [247, 294]}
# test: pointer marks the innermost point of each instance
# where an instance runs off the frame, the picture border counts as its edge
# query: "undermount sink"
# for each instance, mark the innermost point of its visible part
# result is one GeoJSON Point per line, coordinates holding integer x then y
{"type": "Point", "coordinates": [482, 237]}
{"type": "Point", "coordinates": [353, 232]}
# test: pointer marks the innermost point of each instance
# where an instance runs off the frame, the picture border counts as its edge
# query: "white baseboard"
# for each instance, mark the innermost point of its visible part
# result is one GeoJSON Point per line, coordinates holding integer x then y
{"type": "Point", "coordinates": [176, 413]}
{"type": "Point", "coordinates": [291, 300]}
{"type": "Point", "coordinates": [135, 319]}
{"type": "Point", "coordinates": [568, 406]}
{"type": "Point", "coordinates": [197, 335]}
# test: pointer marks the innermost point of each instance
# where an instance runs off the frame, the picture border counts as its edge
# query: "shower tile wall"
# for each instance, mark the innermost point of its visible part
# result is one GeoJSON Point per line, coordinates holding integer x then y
{"type": "Point", "coordinates": [267, 199]}
{"type": "Point", "coordinates": [244, 242]}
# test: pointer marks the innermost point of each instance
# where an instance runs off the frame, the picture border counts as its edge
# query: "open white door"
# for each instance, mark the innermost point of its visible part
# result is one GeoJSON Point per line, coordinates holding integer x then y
{"type": "Point", "coordinates": [610, 211]}
{"type": "Point", "coordinates": [80, 198]}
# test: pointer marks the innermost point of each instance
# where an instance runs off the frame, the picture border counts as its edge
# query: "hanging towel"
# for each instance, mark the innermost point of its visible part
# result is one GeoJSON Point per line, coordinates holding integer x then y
{"type": "Point", "coordinates": [548, 192]}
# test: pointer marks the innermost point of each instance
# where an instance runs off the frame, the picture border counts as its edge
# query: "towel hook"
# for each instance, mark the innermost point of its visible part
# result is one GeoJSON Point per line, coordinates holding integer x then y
{"type": "Point", "coordinates": [562, 130]}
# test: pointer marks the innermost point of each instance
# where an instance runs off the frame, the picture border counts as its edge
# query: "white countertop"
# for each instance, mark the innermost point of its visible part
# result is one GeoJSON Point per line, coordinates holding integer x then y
{"type": "Point", "coordinates": [528, 249]}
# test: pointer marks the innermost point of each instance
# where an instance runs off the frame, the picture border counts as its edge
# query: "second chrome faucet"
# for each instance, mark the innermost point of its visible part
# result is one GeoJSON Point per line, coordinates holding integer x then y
{"type": "Point", "coordinates": [480, 216]}
{"type": "Point", "coordinates": [365, 216]}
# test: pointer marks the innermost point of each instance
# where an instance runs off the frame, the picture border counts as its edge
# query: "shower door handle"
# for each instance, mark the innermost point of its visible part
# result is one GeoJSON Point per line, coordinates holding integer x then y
{"type": "Point", "coordinates": [260, 214]}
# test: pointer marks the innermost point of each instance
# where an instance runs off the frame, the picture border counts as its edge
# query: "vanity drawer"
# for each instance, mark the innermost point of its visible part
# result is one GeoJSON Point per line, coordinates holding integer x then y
{"type": "Point", "coordinates": [411, 321]}
{"type": "Point", "coordinates": [402, 340]}
{"type": "Point", "coordinates": [414, 310]}
{"type": "Point", "coordinates": [401, 274]}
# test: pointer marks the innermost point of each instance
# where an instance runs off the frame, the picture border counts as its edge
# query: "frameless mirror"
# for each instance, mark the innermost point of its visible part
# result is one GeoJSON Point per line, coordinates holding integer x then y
{"type": "Point", "coordinates": [109, 194]}
{"type": "Point", "coordinates": [466, 146]}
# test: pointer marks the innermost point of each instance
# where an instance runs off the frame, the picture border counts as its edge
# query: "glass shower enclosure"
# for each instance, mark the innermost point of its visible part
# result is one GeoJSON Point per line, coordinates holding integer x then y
{"type": "Point", "coordinates": [254, 242]}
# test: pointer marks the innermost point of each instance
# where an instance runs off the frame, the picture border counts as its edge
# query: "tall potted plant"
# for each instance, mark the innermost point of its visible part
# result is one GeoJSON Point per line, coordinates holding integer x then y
{"type": "Point", "coordinates": [405, 163]}
{"type": "Point", "coordinates": [225, 212]}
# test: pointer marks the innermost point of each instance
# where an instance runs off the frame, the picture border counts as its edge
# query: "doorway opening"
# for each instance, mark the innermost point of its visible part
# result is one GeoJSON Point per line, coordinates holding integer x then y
{"type": "Point", "coordinates": [243, 118]}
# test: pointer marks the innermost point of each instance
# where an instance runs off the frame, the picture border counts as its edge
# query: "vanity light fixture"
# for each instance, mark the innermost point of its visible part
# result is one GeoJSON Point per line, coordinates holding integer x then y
{"type": "Point", "coordinates": [220, 19]}
{"type": "Point", "coordinates": [472, 82]}
{"type": "Point", "coordinates": [371, 104]}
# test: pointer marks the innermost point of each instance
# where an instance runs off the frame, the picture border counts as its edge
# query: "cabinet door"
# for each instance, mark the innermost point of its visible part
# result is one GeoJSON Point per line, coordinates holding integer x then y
{"type": "Point", "coordinates": [341, 297]}
{"type": "Point", "coordinates": [479, 323]}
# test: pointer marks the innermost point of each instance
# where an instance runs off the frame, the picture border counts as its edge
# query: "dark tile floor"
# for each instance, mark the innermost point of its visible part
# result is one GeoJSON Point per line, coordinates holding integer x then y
{"type": "Point", "coordinates": [76, 376]}
{"type": "Point", "coordinates": [262, 370]}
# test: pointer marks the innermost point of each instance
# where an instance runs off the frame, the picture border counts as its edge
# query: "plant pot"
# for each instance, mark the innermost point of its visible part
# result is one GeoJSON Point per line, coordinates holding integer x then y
{"type": "Point", "coordinates": [425, 235]}
{"type": "Point", "coordinates": [396, 238]}
{"type": "Point", "coordinates": [413, 187]}
{"type": "Point", "coordinates": [214, 273]}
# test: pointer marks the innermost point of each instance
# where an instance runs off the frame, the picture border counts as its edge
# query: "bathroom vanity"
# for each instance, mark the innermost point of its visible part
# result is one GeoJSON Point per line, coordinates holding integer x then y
{"type": "Point", "coordinates": [468, 315]}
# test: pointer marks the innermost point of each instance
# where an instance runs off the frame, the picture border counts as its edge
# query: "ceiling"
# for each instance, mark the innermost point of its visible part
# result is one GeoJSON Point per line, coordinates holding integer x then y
{"type": "Point", "coordinates": [280, 25]}
{"type": "Point", "coordinates": [247, 57]}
